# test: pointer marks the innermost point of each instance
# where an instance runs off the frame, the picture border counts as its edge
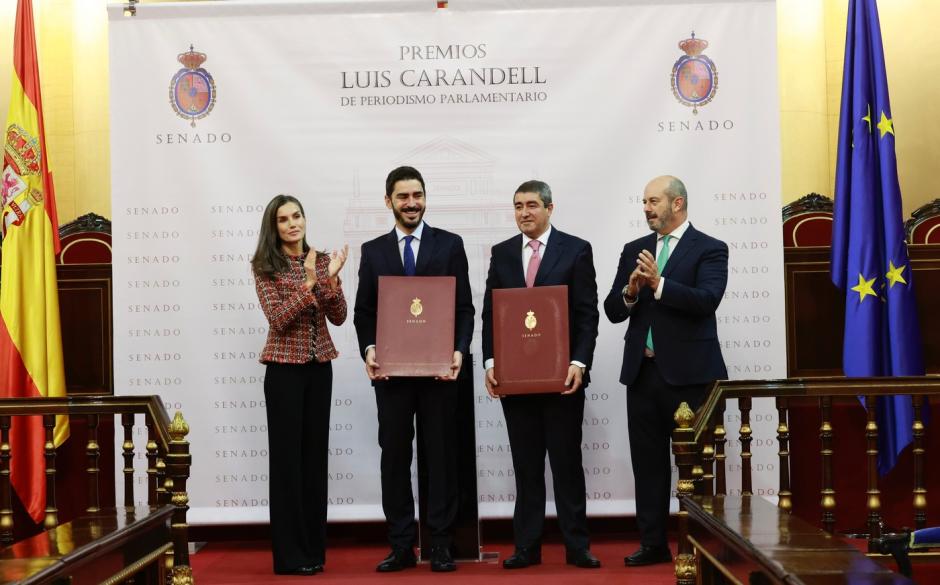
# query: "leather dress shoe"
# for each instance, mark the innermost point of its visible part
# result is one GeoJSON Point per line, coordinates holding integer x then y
{"type": "Point", "coordinates": [397, 560]}
{"type": "Point", "coordinates": [583, 559]}
{"type": "Point", "coordinates": [648, 555]}
{"type": "Point", "coordinates": [523, 557]}
{"type": "Point", "coordinates": [307, 570]}
{"type": "Point", "coordinates": [441, 560]}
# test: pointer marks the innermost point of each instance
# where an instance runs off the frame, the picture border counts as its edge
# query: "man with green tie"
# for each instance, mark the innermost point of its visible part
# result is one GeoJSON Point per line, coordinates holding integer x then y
{"type": "Point", "coordinates": [669, 285]}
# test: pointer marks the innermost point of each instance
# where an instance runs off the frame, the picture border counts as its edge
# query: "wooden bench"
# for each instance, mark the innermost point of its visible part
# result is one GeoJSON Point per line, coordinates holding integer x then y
{"type": "Point", "coordinates": [750, 540]}
{"type": "Point", "coordinates": [109, 546]}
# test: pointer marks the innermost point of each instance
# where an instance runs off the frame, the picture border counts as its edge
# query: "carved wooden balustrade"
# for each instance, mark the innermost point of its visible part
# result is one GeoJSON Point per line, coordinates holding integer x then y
{"type": "Point", "coordinates": [699, 442]}
{"type": "Point", "coordinates": [167, 458]}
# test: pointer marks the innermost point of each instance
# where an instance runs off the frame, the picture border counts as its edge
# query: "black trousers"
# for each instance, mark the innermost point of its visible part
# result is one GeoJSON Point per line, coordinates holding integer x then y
{"type": "Point", "coordinates": [297, 399]}
{"type": "Point", "coordinates": [434, 403]}
{"type": "Point", "coordinates": [651, 404]}
{"type": "Point", "coordinates": [540, 423]}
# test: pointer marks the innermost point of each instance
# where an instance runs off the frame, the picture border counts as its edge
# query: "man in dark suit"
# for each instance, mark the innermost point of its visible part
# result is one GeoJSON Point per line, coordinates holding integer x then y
{"type": "Point", "coordinates": [669, 285]}
{"type": "Point", "coordinates": [414, 248]}
{"type": "Point", "coordinates": [542, 256]}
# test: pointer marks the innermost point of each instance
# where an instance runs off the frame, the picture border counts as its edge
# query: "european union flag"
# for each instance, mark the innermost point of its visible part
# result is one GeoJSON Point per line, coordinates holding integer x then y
{"type": "Point", "coordinates": [869, 255]}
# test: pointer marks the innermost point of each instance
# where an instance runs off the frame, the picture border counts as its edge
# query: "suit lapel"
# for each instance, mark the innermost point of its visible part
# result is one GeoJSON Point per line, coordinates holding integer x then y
{"type": "Point", "coordinates": [650, 244]}
{"type": "Point", "coordinates": [554, 250]}
{"type": "Point", "coordinates": [392, 256]}
{"type": "Point", "coordinates": [686, 243]}
{"type": "Point", "coordinates": [515, 259]}
{"type": "Point", "coordinates": [425, 250]}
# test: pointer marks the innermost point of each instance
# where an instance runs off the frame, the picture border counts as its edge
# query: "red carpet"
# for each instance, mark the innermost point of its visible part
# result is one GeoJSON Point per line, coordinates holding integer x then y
{"type": "Point", "coordinates": [250, 562]}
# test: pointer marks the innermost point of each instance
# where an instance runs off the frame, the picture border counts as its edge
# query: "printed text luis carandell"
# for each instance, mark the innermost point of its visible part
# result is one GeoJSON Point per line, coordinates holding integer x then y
{"type": "Point", "coordinates": [442, 77]}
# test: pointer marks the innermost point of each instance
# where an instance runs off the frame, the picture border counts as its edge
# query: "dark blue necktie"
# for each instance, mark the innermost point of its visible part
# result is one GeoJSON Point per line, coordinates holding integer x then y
{"type": "Point", "coordinates": [409, 257]}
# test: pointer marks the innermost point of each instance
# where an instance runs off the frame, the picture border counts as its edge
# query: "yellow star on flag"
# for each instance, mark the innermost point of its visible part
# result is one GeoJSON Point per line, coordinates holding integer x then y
{"type": "Point", "coordinates": [864, 287]}
{"type": "Point", "coordinates": [867, 118]}
{"type": "Point", "coordinates": [894, 274]}
{"type": "Point", "coordinates": [886, 125]}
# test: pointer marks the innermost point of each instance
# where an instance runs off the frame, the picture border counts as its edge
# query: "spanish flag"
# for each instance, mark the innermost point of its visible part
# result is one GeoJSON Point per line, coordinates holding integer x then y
{"type": "Point", "coordinates": [31, 362]}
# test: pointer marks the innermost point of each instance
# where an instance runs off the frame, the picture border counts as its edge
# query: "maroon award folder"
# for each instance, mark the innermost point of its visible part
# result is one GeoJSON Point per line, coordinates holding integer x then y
{"type": "Point", "coordinates": [415, 326]}
{"type": "Point", "coordinates": [530, 339]}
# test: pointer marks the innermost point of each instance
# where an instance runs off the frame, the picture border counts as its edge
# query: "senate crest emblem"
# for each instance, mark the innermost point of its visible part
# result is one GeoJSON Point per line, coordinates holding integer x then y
{"type": "Point", "coordinates": [192, 89]}
{"type": "Point", "coordinates": [694, 76]}
{"type": "Point", "coordinates": [530, 321]}
{"type": "Point", "coordinates": [416, 307]}
{"type": "Point", "coordinates": [21, 174]}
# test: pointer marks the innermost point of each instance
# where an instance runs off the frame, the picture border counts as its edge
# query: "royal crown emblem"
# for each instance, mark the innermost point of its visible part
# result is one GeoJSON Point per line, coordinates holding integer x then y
{"type": "Point", "coordinates": [23, 151]}
{"type": "Point", "coordinates": [21, 174]}
{"type": "Point", "coordinates": [694, 75]}
{"type": "Point", "coordinates": [416, 307]}
{"type": "Point", "coordinates": [530, 321]}
{"type": "Point", "coordinates": [192, 89]}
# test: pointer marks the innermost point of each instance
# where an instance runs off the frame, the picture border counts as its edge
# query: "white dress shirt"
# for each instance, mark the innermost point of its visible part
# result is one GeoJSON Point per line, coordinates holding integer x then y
{"type": "Point", "coordinates": [415, 243]}
{"type": "Point", "coordinates": [527, 249]}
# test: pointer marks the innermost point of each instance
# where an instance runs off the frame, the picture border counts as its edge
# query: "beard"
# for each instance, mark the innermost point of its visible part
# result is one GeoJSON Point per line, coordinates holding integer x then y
{"type": "Point", "coordinates": [660, 221]}
{"type": "Point", "coordinates": [405, 221]}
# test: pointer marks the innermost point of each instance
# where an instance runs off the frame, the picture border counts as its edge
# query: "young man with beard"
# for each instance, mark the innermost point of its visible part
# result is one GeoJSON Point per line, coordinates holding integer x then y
{"type": "Point", "coordinates": [669, 285]}
{"type": "Point", "coordinates": [413, 248]}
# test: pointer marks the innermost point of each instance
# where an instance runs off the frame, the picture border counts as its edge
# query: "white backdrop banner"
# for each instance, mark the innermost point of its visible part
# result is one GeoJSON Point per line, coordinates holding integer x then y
{"type": "Point", "coordinates": [217, 107]}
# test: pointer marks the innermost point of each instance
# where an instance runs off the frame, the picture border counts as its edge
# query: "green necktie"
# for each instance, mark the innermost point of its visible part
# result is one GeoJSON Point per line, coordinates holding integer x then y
{"type": "Point", "coordinates": [661, 260]}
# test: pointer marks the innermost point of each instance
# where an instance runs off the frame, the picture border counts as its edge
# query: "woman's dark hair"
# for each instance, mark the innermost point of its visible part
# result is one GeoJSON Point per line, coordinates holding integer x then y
{"type": "Point", "coordinates": [269, 258]}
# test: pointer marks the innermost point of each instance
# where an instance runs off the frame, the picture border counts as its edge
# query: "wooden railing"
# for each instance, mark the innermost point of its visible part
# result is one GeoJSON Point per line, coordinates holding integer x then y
{"type": "Point", "coordinates": [167, 455]}
{"type": "Point", "coordinates": [700, 439]}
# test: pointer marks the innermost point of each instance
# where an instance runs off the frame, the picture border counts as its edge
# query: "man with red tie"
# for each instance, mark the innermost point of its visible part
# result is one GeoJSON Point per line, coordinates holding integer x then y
{"type": "Point", "coordinates": [538, 423]}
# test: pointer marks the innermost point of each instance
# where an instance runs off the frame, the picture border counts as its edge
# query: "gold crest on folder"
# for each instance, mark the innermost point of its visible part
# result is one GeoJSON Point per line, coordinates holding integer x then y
{"type": "Point", "coordinates": [530, 321]}
{"type": "Point", "coordinates": [416, 307]}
